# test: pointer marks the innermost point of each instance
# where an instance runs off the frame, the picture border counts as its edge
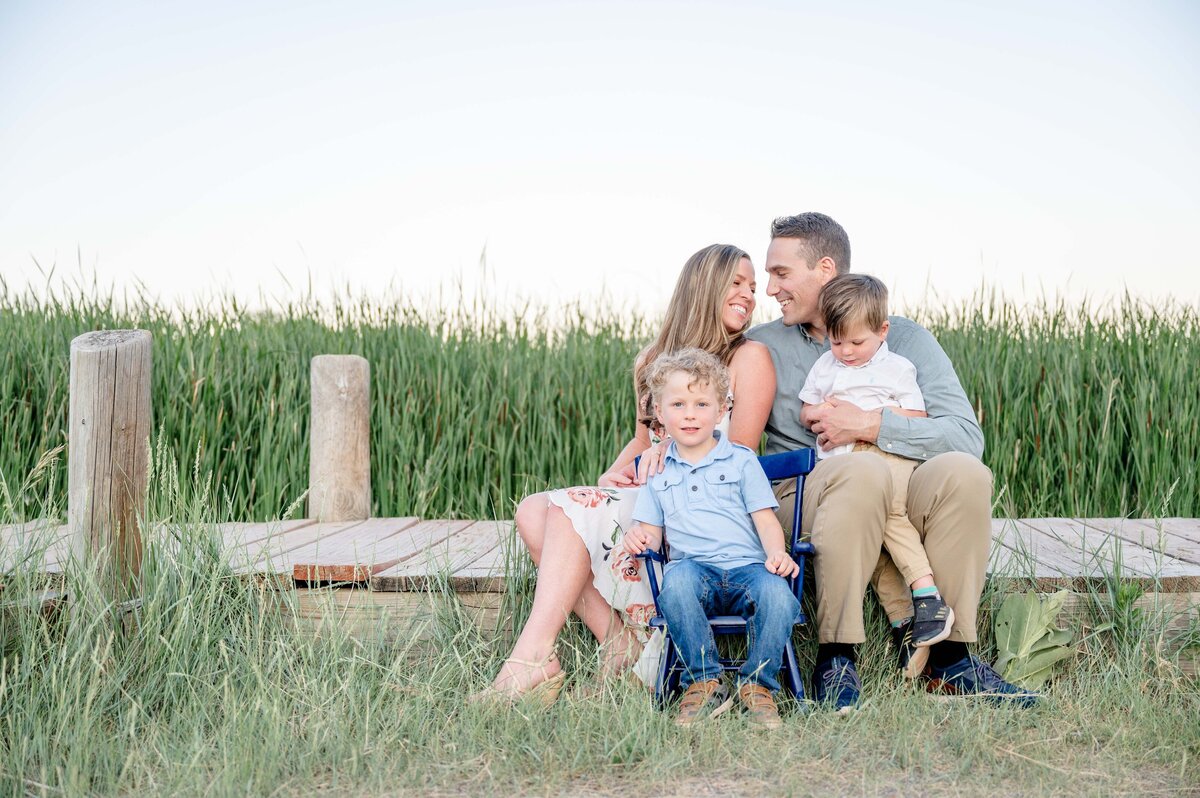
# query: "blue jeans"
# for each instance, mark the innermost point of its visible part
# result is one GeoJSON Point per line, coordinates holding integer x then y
{"type": "Point", "coordinates": [692, 591]}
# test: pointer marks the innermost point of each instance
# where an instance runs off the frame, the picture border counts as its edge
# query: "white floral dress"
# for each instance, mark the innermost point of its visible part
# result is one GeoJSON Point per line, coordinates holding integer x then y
{"type": "Point", "coordinates": [600, 516]}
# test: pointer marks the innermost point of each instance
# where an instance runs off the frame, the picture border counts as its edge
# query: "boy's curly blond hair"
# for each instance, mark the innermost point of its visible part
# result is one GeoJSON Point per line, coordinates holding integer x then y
{"type": "Point", "coordinates": [700, 366]}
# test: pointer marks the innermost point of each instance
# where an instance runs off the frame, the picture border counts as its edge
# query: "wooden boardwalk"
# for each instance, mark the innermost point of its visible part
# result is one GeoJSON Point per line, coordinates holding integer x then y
{"type": "Point", "coordinates": [391, 577]}
{"type": "Point", "coordinates": [410, 554]}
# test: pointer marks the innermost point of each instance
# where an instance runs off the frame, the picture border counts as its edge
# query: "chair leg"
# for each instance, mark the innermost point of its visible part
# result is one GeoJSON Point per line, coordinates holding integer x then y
{"type": "Point", "coordinates": [662, 689]}
{"type": "Point", "coordinates": [792, 668]}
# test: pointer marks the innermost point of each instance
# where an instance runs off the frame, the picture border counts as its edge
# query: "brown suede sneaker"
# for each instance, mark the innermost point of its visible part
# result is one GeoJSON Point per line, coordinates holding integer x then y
{"type": "Point", "coordinates": [703, 700]}
{"type": "Point", "coordinates": [759, 706]}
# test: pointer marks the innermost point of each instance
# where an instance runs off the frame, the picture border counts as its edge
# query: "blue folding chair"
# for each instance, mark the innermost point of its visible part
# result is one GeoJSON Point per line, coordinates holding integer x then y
{"type": "Point", "coordinates": [797, 464]}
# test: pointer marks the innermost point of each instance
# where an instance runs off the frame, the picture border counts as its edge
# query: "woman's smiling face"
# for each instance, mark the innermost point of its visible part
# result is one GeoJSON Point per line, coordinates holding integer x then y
{"type": "Point", "coordinates": [739, 301]}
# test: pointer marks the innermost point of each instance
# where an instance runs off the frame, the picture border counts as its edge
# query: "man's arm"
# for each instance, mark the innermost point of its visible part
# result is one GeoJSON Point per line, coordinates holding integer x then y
{"type": "Point", "coordinates": [950, 427]}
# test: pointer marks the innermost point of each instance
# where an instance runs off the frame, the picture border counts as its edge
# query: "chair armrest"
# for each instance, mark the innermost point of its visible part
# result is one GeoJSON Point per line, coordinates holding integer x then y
{"type": "Point", "coordinates": [651, 554]}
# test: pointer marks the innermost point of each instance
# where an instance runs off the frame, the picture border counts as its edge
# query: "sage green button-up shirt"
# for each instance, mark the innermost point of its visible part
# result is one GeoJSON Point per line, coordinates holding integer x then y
{"type": "Point", "coordinates": [951, 426]}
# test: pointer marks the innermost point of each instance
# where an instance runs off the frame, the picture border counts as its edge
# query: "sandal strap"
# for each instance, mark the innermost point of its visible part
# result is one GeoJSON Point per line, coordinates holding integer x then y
{"type": "Point", "coordinates": [530, 665]}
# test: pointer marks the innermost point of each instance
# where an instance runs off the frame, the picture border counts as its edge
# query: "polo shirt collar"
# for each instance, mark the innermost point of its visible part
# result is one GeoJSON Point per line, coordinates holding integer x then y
{"type": "Point", "coordinates": [722, 450]}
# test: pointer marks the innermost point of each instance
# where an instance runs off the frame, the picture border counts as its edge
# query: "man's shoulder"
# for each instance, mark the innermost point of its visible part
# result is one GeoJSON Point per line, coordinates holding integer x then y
{"type": "Point", "coordinates": [904, 333]}
{"type": "Point", "coordinates": [770, 332]}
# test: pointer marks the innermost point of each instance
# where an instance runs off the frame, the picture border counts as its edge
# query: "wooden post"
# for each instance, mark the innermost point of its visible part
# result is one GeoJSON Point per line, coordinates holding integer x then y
{"type": "Point", "coordinates": [339, 470]}
{"type": "Point", "coordinates": [109, 452]}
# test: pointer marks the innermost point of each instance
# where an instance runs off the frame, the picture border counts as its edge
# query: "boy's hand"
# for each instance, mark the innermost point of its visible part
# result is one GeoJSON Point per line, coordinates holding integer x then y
{"type": "Point", "coordinates": [807, 412]}
{"type": "Point", "coordinates": [778, 562]}
{"type": "Point", "coordinates": [638, 539]}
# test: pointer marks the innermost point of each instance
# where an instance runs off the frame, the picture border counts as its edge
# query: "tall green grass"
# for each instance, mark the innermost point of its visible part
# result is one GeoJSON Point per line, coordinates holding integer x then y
{"type": "Point", "coordinates": [1088, 410]}
{"type": "Point", "coordinates": [206, 686]}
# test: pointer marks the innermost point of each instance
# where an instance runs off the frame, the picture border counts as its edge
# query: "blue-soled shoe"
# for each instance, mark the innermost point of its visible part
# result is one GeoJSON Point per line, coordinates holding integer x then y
{"type": "Point", "coordinates": [972, 677]}
{"type": "Point", "coordinates": [836, 684]}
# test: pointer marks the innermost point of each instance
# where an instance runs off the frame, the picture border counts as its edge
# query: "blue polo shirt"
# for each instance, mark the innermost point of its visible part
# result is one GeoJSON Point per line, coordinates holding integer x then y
{"type": "Point", "coordinates": [705, 507]}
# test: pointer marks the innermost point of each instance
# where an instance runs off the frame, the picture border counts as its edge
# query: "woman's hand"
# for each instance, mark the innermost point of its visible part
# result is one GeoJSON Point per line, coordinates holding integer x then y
{"type": "Point", "coordinates": [652, 462]}
{"type": "Point", "coordinates": [624, 477]}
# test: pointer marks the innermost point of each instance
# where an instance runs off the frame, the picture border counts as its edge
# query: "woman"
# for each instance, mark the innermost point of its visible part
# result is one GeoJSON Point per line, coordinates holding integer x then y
{"type": "Point", "coordinates": [578, 531]}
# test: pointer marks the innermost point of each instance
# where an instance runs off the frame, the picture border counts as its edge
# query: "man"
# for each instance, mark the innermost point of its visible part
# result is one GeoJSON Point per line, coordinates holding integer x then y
{"type": "Point", "coordinates": [846, 498]}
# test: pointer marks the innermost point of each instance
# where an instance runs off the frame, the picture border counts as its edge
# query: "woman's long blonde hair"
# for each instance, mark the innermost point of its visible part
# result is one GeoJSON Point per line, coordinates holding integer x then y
{"type": "Point", "coordinates": [694, 316]}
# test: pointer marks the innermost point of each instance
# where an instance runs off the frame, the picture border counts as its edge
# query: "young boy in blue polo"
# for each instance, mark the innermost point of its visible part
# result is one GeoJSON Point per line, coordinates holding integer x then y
{"type": "Point", "coordinates": [728, 555]}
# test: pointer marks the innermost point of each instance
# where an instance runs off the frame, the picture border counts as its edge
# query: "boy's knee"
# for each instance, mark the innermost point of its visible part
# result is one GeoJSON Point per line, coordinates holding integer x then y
{"type": "Point", "coordinates": [776, 599]}
{"type": "Point", "coordinates": [681, 587]}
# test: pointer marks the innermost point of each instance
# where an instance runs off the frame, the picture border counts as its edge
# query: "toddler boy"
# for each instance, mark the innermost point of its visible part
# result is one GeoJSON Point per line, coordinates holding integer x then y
{"type": "Point", "coordinates": [859, 369]}
{"type": "Point", "coordinates": [728, 555]}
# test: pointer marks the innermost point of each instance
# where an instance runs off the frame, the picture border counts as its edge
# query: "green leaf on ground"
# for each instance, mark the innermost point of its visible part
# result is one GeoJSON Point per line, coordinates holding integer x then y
{"type": "Point", "coordinates": [1028, 641]}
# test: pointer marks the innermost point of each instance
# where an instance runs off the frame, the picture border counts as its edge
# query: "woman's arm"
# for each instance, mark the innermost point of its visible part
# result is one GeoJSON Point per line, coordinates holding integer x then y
{"type": "Point", "coordinates": [621, 473]}
{"type": "Point", "coordinates": [753, 385]}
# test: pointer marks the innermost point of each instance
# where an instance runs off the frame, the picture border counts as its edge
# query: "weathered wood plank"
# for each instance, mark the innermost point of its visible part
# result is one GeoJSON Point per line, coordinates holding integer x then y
{"type": "Point", "coordinates": [373, 546]}
{"type": "Point", "coordinates": [1101, 553]}
{"type": "Point", "coordinates": [1020, 552]}
{"type": "Point", "coordinates": [239, 534]}
{"type": "Point", "coordinates": [40, 546]}
{"type": "Point", "coordinates": [489, 572]}
{"type": "Point", "coordinates": [1186, 528]}
{"type": "Point", "coordinates": [443, 559]}
{"type": "Point", "coordinates": [267, 557]}
{"type": "Point", "coordinates": [1167, 536]}
{"type": "Point", "coordinates": [394, 616]}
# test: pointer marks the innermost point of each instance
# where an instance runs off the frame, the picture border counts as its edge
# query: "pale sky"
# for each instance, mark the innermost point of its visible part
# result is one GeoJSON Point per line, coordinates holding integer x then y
{"type": "Point", "coordinates": [216, 147]}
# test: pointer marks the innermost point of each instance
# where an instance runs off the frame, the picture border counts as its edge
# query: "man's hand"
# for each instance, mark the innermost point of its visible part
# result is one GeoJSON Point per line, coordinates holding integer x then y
{"type": "Point", "coordinates": [641, 537]}
{"type": "Point", "coordinates": [778, 562]}
{"type": "Point", "coordinates": [838, 422]}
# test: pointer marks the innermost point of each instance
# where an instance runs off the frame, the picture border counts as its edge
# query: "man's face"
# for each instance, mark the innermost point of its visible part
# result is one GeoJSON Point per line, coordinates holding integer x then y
{"type": "Point", "coordinates": [794, 282]}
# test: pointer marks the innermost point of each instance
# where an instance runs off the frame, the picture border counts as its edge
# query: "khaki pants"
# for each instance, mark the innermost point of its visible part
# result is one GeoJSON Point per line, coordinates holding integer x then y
{"type": "Point", "coordinates": [846, 506]}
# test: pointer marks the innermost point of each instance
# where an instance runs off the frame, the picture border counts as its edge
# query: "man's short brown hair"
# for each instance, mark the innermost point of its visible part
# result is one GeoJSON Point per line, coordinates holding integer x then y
{"type": "Point", "coordinates": [819, 237]}
{"type": "Point", "coordinates": [849, 301]}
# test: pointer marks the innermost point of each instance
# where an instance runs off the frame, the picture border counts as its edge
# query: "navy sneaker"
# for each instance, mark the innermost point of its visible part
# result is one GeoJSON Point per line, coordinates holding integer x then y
{"type": "Point", "coordinates": [933, 622]}
{"type": "Point", "coordinates": [974, 677]}
{"type": "Point", "coordinates": [912, 659]}
{"type": "Point", "coordinates": [836, 684]}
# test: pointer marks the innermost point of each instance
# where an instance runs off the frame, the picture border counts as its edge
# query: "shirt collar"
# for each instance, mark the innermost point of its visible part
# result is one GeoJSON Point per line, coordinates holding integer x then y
{"type": "Point", "coordinates": [879, 356]}
{"type": "Point", "coordinates": [722, 450]}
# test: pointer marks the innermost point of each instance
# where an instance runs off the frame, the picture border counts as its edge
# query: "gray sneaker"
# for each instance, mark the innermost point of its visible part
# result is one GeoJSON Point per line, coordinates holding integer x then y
{"type": "Point", "coordinates": [703, 700]}
{"type": "Point", "coordinates": [932, 622]}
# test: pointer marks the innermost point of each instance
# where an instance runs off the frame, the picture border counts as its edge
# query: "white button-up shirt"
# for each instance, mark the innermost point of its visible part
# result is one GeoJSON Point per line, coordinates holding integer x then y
{"type": "Point", "coordinates": [886, 380]}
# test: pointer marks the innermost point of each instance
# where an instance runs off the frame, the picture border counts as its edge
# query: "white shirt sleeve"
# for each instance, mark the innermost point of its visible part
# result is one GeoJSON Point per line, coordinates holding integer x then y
{"type": "Point", "coordinates": [819, 383]}
{"type": "Point", "coordinates": [908, 393]}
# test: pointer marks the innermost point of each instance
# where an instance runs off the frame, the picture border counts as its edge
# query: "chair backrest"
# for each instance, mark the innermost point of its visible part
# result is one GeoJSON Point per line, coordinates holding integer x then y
{"type": "Point", "coordinates": [796, 465]}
